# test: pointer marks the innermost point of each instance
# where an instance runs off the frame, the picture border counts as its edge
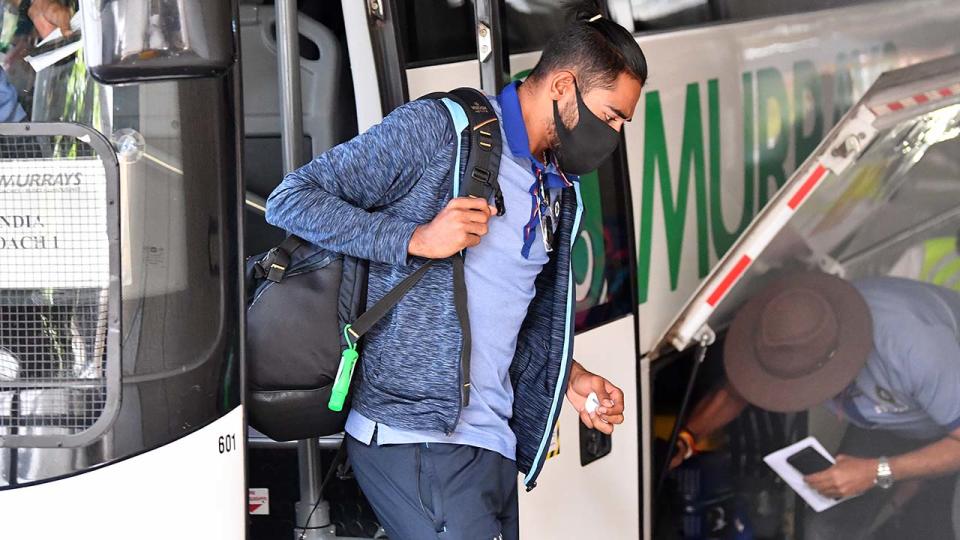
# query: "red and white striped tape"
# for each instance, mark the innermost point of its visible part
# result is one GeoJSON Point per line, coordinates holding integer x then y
{"type": "Point", "coordinates": [735, 269]}
{"type": "Point", "coordinates": [752, 251]}
{"type": "Point", "coordinates": [814, 178]}
{"type": "Point", "coordinates": [916, 99]}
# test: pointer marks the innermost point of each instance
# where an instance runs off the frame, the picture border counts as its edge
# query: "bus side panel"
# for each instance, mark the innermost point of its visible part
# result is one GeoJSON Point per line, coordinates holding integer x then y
{"type": "Point", "coordinates": [190, 488]}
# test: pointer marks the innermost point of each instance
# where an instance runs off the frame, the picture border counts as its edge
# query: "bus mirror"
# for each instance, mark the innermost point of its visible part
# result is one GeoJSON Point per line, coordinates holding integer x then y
{"type": "Point", "coordinates": [128, 41]}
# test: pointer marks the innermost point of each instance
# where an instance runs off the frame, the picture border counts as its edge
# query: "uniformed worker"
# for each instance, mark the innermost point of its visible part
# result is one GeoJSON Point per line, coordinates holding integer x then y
{"type": "Point", "coordinates": [883, 353]}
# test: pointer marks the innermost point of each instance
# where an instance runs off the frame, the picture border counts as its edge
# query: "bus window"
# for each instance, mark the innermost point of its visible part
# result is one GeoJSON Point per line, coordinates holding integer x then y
{"type": "Point", "coordinates": [441, 31]}
{"type": "Point", "coordinates": [531, 23]}
{"type": "Point", "coordinates": [601, 255]}
{"type": "Point", "coordinates": [656, 15]}
{"type": "Point", "coordinates": [436, 31]}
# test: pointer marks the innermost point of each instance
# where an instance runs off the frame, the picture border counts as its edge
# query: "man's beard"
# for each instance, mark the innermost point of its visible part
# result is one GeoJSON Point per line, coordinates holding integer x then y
{"type": "Point", "coordinates": [568, 113]}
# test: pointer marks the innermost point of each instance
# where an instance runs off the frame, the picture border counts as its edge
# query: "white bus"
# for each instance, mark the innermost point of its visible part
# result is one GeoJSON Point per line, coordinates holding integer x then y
{"type": "Point", "coordinates": [740, 94]}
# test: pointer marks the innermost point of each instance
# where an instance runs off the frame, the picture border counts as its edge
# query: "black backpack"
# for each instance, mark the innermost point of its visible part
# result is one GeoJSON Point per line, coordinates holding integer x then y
{"type": "Point", "coordinates": [305, 304]}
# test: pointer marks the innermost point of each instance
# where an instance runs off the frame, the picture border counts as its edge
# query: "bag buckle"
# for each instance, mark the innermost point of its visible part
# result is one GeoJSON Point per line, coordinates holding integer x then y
{"type": "Point", "coordinates": [275, 273]}
{"type": "Point", "coordinates": [481, 175]}
{"type": "Point", "coordinates": [269, 268]}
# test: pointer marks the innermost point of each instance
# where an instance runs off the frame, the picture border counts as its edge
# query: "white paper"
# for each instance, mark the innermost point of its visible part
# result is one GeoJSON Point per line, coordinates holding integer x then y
{"type": "Point", "coordinates": [778, 462]}
{"type": "Point", "coordinates": [43, 61]}
{"type": "Point", "coordinates": [53, 223]}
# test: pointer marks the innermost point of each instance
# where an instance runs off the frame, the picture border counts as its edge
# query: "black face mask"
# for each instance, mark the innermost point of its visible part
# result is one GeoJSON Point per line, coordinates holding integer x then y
{"type": "Point", "coordinates": [583, 148]}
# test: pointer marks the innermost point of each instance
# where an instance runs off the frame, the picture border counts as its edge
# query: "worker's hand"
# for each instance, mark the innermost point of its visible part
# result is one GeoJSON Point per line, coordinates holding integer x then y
{"type": "Point", "coordinates": [460, 225]}
{"type": "Point", "coordinates": [48, 15]}
{"type": "Point", "coordinates": [610, 411]}
{"type": "Point", "coordinates": [849, 476]}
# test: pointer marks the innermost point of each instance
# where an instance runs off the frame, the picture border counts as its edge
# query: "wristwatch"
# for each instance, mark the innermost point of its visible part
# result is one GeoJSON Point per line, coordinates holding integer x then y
{"type": "Point", "coordinates": [884, 473]}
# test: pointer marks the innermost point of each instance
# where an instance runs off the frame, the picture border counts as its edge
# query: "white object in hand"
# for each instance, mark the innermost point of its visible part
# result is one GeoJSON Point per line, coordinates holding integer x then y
{"type": "Point", "coordinates": [794, 478]}
{"type": "Point", "coordinates": [592, 403]}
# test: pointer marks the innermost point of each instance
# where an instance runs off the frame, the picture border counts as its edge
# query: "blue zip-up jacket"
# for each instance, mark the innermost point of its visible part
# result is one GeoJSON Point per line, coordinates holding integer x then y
{"type": "Point", "coordinates": [365, 198]}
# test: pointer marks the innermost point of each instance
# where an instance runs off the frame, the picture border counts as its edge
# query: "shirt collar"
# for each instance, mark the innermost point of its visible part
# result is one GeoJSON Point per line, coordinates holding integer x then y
{"type": "Point", "coordinates": [513, 126]}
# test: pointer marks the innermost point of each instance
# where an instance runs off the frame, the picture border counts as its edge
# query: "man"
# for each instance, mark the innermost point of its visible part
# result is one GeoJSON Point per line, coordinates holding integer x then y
{"type": "Point", "coordinates": [433, 455]}
{"type": "Point", "coordinates": [884, 353]}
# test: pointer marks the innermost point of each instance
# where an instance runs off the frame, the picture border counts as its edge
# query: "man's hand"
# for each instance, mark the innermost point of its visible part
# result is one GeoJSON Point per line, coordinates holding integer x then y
{"type": "Point", "coordinates": [610, 411]}
{"type": "Point", "coordinates": [458, 226]}
{"type": "Point", "coordinates": [849, 476]}
{"type": "Point", "coordinates": [48, 15]}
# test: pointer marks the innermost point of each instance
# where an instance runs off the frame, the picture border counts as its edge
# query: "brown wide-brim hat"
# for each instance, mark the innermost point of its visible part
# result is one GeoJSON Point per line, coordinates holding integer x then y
{"type": "Point", "coordinates": [799, 342]}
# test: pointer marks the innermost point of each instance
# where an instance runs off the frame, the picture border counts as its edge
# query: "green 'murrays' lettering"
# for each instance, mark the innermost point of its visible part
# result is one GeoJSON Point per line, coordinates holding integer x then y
{"type": "Point", "coordinates": [654, 150]}
{"type": "Point", "coordinates": [723, 238]}
{"type": "Point", "coordinates": [674, 205]}
{"type": "Point", "coordinates": [774, 139]}
{"type": "Point", "coordinates": [807, 100]}
{"type": "Point", "coordinates": [842, 88]}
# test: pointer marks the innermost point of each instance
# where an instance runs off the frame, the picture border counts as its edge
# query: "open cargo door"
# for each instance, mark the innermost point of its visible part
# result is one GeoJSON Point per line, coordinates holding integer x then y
{"type": "Point", "coordinates": [881, 188]}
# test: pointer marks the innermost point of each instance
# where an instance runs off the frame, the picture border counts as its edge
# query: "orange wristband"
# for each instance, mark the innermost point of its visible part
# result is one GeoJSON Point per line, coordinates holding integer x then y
{"type": "Point", "coordinates": [688, 439]}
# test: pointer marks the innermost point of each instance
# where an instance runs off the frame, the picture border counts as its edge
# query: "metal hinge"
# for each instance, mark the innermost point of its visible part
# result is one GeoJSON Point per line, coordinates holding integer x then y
{"type": "Point", "coordinates": [856, 134]}
{"type": "Point", "coordinates": [703, 337]}
{"type": "Point", "coordinates": [706, 336]}
{"type": "Point", "coordinates": [484, 42]}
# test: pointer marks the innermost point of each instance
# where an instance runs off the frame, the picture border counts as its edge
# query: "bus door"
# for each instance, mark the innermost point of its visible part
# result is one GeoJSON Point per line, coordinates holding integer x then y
{"type": "Point", "coordinates": [882, 185]}
{"type": "Point", "coordinates": [423, 46]}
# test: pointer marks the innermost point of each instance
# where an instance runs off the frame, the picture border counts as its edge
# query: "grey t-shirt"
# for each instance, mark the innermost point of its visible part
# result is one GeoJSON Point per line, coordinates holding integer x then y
{"type": "Point", "coordinates": [911, 381]}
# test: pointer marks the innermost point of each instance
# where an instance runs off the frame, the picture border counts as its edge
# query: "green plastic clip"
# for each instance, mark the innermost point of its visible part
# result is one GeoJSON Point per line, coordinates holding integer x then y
{"type": "Point", "coordinates": [341, 385]}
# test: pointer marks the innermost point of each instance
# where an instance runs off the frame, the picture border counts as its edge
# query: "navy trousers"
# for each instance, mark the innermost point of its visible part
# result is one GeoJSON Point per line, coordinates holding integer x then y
{"type": "Point", "coordinates": [442, 491]}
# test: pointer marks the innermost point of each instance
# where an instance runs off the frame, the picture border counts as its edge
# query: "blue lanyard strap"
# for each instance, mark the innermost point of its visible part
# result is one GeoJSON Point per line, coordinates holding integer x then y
{"type": "Point", "coordinates": [539, 193]}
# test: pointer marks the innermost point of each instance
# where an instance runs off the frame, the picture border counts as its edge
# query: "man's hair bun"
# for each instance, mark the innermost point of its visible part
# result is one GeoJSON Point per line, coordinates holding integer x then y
{"type": "Point", "coordinates": [584, 10]}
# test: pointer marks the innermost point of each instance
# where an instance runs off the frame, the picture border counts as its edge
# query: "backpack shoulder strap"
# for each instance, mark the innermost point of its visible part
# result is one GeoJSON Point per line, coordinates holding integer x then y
{"type": "Point", "coordinates": [474, 117]}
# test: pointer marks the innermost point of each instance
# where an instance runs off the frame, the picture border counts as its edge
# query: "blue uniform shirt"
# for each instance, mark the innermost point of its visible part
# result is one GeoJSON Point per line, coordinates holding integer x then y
{"type": "Point", "coordinates": [911, 381]}
{"type": "Point", "coordinates": [10, 108]}
{"type": "Point", "coordinates": [500, 274]}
